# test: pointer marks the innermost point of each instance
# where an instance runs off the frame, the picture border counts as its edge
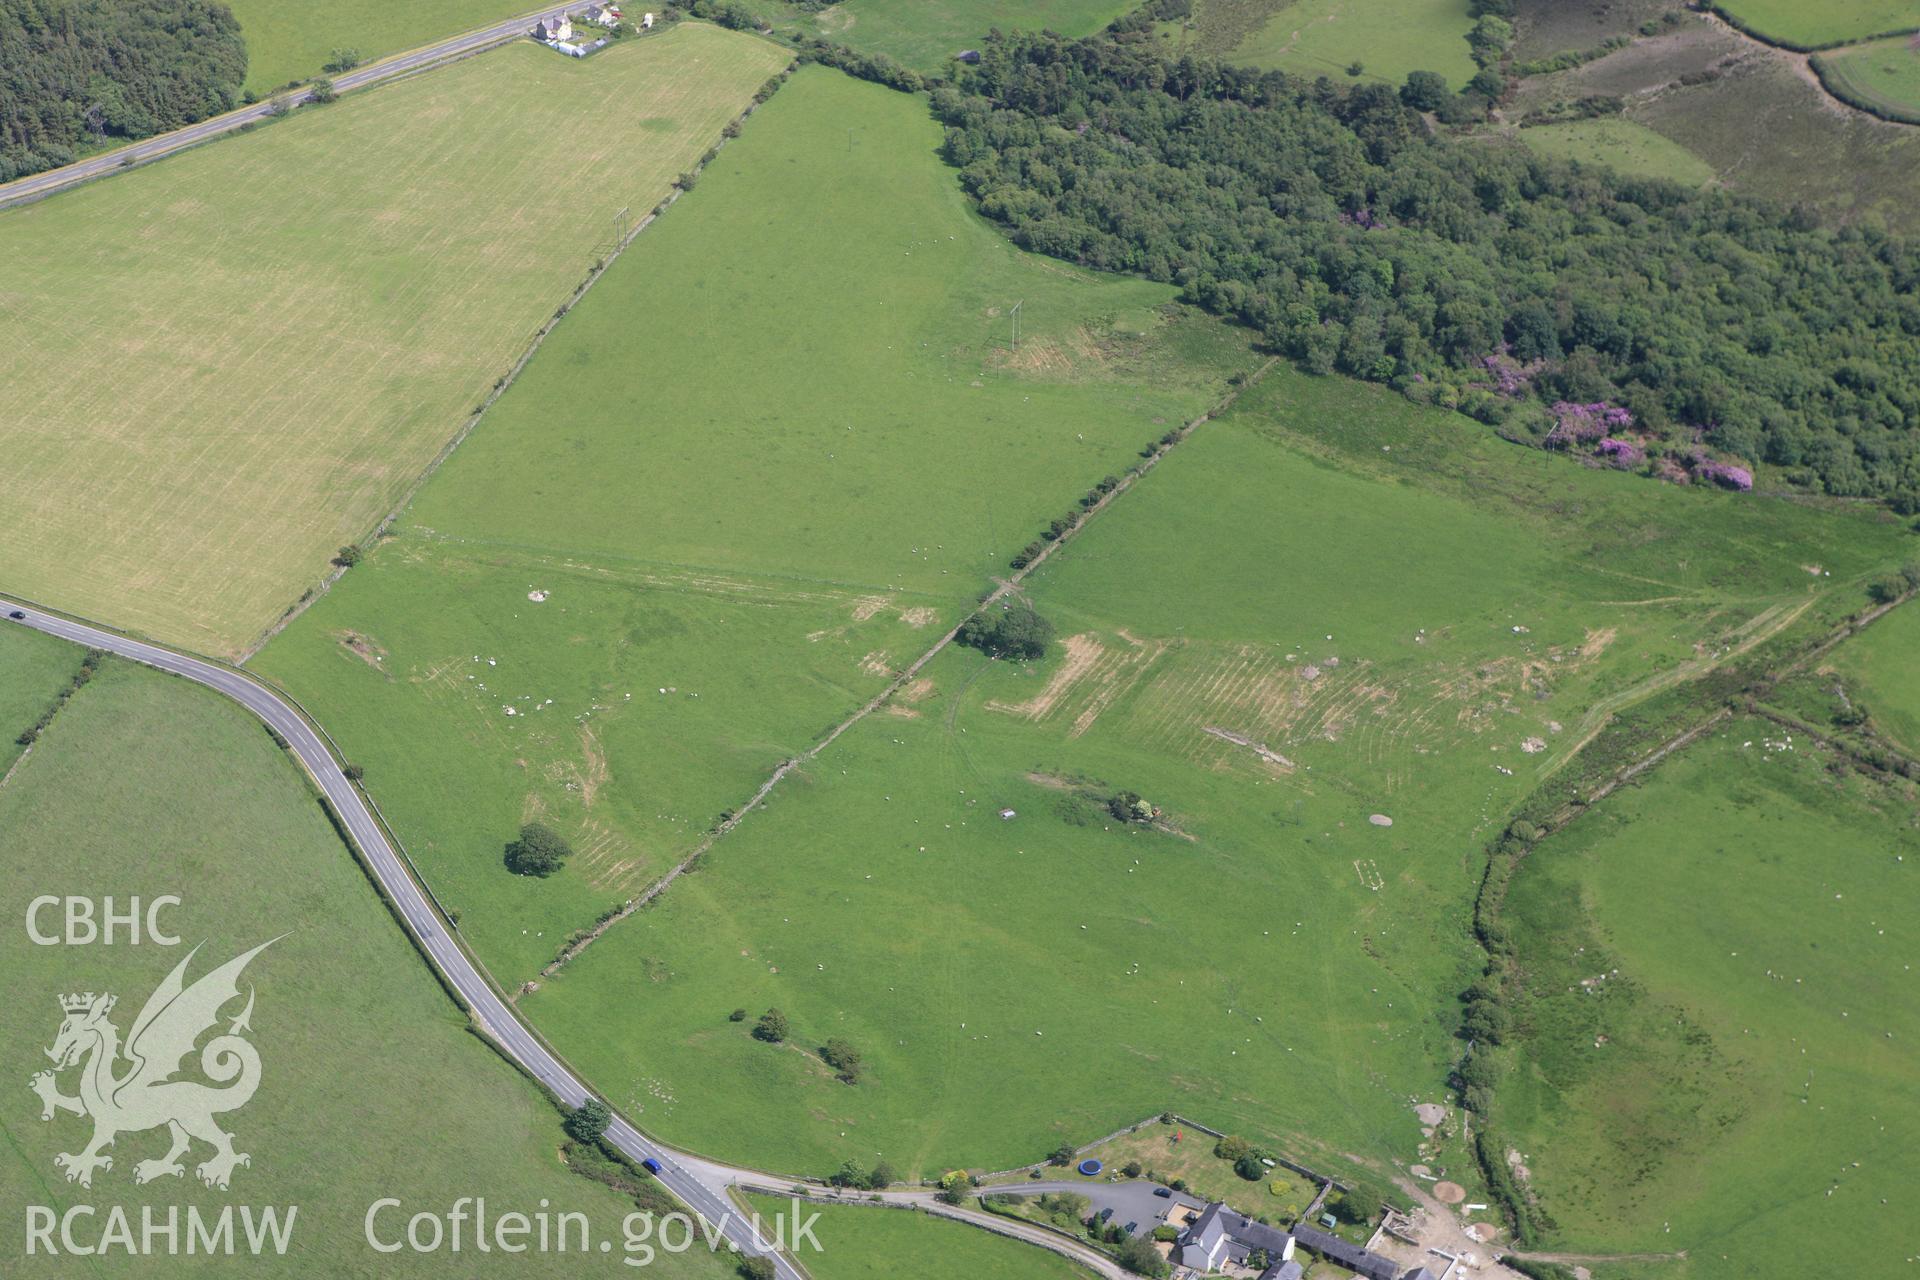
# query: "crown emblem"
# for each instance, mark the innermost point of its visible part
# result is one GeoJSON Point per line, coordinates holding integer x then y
{"type": "Point", "coordinates": [80, 1003]}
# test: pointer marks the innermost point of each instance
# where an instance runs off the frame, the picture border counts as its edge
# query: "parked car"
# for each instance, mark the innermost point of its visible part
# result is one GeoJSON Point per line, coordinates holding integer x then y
{"type": "Point", "coordinates": [1132, 1227]}
{"type": "Point", "coordinates": [1165, 1193]}
{"type": "Point", "coordinates": [18, 616]}
{"type": "Point", "coordinates": [650, 1165]}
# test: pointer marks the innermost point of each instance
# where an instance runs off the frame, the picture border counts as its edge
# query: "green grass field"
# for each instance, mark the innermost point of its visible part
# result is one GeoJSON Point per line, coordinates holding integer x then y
{"type": "Point", "coordinates": [764, 464]}
{"type": "Point", "coordinates": [287, 42]}
{"type": "Point", "coordinates": [1879, 667]}
{"type": "Point", "coordinates": [262, 343]}
{"type": "Point", "coordinates": [1884, 74]}
{"type": "Point", "coordinates": [1389, 38]}
{"type": "Point", "coordinates": [1720, 1016]}
{"type": "Point", "coordinates": [925, 34]}
{"type": "Point", "coordinates": [1810, 26]}
{"type": "Point", "coordinates": [884, 1244]}
{"type": "Point", "coordinates": [34, 668]}
{"type": "Point", "coordinates": [371, 1084]}
{"type": "Point", "coordinates": [1327, 605]}
{"type": "Point", "coordinates": [1619, 144]}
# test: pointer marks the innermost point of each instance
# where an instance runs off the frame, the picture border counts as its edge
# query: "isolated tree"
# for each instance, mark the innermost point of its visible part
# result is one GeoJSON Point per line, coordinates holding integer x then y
{"type": "Point", "coordinates": [849, 1174]}
{"type": "Point", "coordinates": [342, 60]}
{"type": "Point", "coordinates": [586, 1122]}
{"type": "Point", "coordinates": [1010, 631]}
{"type": "Point", "coordinates": [772, 1027]}
{"type": "Point", "coordinates": [349, 556]}
{"type": "Point", "coordinates": [738, 1015]}
{"type": "Point", "coordinates": [1062, 1154]}
{"type": "Point", "coordinates": [1249, 1167]}
{"type": "Point", "coordinates": [843, 1058]}
{"type": "Point", "coordinates": [752, 1268]}
{"type": "Point", "coordinates": [880, 1176]}
{"type": "Point", "coordinates": [1231, 1148]}
{"type": "Point", "coordinates": [322, 92]}
{"type": "Point", "coordinates": [540, 851]}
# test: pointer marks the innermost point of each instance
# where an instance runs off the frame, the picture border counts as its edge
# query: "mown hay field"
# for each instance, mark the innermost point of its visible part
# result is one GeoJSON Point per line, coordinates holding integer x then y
{"type": "Point", "coordinates": [217, 371]}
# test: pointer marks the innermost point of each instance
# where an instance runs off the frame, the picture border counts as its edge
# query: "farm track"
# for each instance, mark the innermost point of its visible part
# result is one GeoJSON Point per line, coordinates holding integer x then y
{"type": "Point", "coordinates": [1007, 587]}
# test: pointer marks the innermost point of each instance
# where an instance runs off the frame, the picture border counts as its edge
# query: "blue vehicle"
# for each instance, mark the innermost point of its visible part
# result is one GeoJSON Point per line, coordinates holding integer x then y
{"type": "Point", "coordinates": [650, 1165]}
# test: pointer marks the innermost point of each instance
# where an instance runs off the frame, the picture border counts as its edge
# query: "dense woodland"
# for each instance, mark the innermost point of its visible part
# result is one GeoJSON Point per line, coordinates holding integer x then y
{"type": "Point", "coordinates": [75, 72]}
{"type": "Point", "coordinates": [1640, 323]}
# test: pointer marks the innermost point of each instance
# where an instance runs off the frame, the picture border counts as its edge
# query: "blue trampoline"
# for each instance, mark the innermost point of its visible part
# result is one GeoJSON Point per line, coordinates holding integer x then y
{"type": "Point", "coordinates": [1090, 1167]}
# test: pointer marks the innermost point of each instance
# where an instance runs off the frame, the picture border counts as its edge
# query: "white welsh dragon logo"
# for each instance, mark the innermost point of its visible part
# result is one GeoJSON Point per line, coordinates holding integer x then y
{"type": "Point", "coordinates": [145, 1095]}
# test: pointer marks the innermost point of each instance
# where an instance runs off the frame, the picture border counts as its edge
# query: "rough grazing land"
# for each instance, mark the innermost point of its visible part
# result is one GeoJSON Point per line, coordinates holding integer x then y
{"type": "Point", "coordinates": [215, 372]}
{"type": "Point", "coordinates": [1388, 38]}
{"type": "Point", "coordinates": [1619, 144]}
{"type": "Point", "coordinates": [1326, 605]}
{"type": "Point", "coordinates": [767, 462]}
{"type": "Point", "coordinates": [1719, 1023]}
{"type": "Point", "coordinates": [146, 785]}
{"type": "Point", "coordinates": [925, 34]}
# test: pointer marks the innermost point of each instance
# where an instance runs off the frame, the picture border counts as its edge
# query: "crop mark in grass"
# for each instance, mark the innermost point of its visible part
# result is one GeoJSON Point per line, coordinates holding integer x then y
{"type": "Point", "coordinates": [1090, 669]}
{"type": "Point", "coordinates": [1008, 587]}
{"type": "Point", "coordinates": [1369, 872]}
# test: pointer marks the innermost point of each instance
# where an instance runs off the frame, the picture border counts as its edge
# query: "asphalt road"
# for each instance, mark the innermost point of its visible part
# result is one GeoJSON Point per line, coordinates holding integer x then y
{"type": "Point", "coordinates": [700, 1184]}
{"type": "Point", "coordinates": [40, 184]}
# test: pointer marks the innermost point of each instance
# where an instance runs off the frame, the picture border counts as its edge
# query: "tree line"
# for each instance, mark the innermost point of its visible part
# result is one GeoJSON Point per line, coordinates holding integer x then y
{"type": "Point", "coordinates": [79, 72]}
{"type": "Point", "coordinates": [1651, 326]}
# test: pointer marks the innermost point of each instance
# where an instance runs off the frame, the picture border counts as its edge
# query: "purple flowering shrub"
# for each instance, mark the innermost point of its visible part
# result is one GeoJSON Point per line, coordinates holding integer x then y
{"type": "Point", "coordinates": [1624, 454]}
{"type": "Point", "coordinates": [1579, 423]}
{"type": "Point", "coordinates": [1724, 474]}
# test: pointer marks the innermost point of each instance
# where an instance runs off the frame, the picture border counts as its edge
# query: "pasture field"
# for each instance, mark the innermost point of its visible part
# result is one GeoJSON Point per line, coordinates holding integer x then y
{"type": "Point", "coordinates": [1800, 25]}
{"type": "Point", "coordinates": [1719, 1014]}
{"type": "Point", "coordinates": [883, 1244]}
{"type": "Point", "coordinates": [288, 42]}
{"type": "Point", "coordinates": [216, 371]}
{"type": "Point", "coordinates": [146, 785]}
{"type": "Point", "coordinates": [1619, 144]}
{"type": "Point", "coordinates": [765, 463]}
{"type": "Point", "coordinates": [1389, 38]}
{"type": "Point", "coordinates": [1878, 666]}
{"type": "Point", "coordinates": [34, 668]}
{"type": "Point", "coordinates": [1883, 74]}
{"type": "Point", "coordinates": [1327, 605]}
{"type": "Point", "coordinates": [926, 34]}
